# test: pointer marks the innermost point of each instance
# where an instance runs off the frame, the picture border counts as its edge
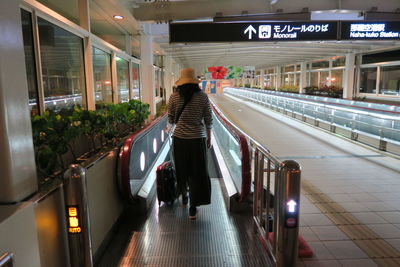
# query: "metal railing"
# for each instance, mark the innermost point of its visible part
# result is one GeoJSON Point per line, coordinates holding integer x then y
{"type": "Point", "coordinates": [276, 194]}
{"type": "Point", "coordinates": [382, 127]}
{"type": "Point", "coordinates": [7, 260]}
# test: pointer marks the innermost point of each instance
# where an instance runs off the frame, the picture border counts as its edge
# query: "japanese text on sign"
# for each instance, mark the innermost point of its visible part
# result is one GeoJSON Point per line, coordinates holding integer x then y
{"type": "Point", "coordinates": [285, 31]}
{"type": "Point", "coordinates": [371, 30]}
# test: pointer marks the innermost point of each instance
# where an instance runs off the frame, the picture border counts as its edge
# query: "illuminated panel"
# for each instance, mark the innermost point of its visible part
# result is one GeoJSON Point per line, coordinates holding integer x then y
{"type": "Point", "coordinates": [142, 161]}
{"type": "Point", "coordinates": [370, 30]}
{"type": "Point", "coordinates": [154, 145]}
{"type": "Point", "coordinates": [74, 226]}
{"type": "Point", "coordinates": [253, 31]}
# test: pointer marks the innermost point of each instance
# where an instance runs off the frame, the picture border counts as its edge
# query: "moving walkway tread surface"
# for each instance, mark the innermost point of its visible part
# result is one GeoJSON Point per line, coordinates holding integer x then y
{"type": "Point", "coordinates": [166, 237]}
{"type": "Point", "coordinates": [349, 207]}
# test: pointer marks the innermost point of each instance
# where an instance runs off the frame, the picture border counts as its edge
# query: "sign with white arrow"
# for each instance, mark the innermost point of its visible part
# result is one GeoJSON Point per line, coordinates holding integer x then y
{"type": "Point", "coordinates": [250, 30]}
{"type": "Point", "coordinates": [291, 206]}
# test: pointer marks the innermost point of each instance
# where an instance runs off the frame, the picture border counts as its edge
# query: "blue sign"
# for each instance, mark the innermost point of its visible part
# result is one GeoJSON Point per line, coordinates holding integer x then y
{"type": "Point", "coordinates": [213, 87]}
{"type": "Point", "coordinates": [203, 85]}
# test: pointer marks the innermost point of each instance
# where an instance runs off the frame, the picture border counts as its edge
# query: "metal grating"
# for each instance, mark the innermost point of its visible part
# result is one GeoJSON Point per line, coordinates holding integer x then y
{"type": "Point", "coordinates": [168, 238]}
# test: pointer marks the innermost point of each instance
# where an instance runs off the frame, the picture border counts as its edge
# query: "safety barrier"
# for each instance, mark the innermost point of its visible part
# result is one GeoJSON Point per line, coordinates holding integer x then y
{"type": "Point", "coordinates": [235, 150]}
{"type": "Point", "coordinates": [276, 196]}
{"type": "Point", "coordinates": [6, 260]}
{"type": "Point", "coordinates": [379, 130]}
{"type": "Point", "coordinates": [143, 146]}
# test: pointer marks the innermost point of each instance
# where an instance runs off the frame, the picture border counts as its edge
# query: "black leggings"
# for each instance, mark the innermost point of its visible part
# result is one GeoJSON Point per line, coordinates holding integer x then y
{"type": "Point", "coordinates": [191, 169]}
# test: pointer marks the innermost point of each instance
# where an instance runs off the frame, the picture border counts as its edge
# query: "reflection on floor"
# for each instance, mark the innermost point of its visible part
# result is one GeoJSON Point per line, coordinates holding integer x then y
{"type": "Point", "coordinates": [168, 238]}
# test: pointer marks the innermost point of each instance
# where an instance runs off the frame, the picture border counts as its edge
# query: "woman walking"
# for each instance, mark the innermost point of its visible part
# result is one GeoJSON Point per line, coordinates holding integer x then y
{"type": "Point", "coordinates": [190, 110]}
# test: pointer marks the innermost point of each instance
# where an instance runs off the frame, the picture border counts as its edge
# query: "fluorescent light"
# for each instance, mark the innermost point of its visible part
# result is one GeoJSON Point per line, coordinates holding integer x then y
{"type": "Point", "coordinates": [118, 17]}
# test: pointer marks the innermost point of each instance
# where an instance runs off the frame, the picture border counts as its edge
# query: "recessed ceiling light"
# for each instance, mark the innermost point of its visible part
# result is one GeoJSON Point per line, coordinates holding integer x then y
{"type": "Point", "coordinates": [119, 17]}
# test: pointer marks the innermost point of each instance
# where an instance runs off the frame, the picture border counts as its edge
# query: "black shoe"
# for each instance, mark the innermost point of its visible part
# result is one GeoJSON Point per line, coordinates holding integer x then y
{"type": "Point", "coordinates": [185, 199]}
{"type": "Point", "coordinates": [192, 212]}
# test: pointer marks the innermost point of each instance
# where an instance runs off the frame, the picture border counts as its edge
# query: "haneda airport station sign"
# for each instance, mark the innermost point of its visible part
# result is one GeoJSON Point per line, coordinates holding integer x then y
{"type": "Point", "coordinates": [283, 31]}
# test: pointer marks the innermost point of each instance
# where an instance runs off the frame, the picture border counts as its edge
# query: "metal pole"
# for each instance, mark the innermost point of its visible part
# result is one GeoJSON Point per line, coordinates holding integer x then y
{"type": "Point", "coordinates": [288, 219]}
{"type": "Point", "coordinates": [77, 209]}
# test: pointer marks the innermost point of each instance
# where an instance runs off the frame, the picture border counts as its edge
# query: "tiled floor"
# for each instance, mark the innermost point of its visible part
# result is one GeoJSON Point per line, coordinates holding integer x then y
{"type": "Point", "coordinates": [361, 182]}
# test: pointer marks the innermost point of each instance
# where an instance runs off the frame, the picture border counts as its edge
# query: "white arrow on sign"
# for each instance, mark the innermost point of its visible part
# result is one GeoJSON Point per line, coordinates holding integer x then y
{"type": "Point", "coordinates": [292, 205]}
{"type": "Point", "coordinates": [250, 30]}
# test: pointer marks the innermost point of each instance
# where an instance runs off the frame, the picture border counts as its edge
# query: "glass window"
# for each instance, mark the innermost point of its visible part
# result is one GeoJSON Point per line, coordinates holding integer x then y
{"type": "Point", "coordinates": [273, 81]}
{"type": "Point", "coordinates": [62, 66]}
{"type": "Point", "coordinates": [30, 61]}
{"type": "Point", "coordinates": [324, 78]}
{"type": "Point", "coordinates": [314, 79]}
{"type": "Point", "coordinates": [297, 78]}
{"type": "Point", "coordinates": [70, 11]}
{"type": "Point", "coordinates": [320, 65]}
{"type": "Point", "coordinates": [122, 80]}
{"type": "Point", "coordinates": [390, 80]}
{"type": "Point", "coordinates": [337, 78]}
{"type": "Point", "coordinates": [368, 80]}
{"type": "Point", "coordinates": [270, 71]}
{"type": "Point", "coordinates": [338, 62]}
{"type": "Point", "coordinates": [298, 67]}
{"type": "Point", "coordinates": [135, 81]}
{"type": "Point", "coordinates": [386, 56]}
{"type": "Point", "coordinates": [285, 80]}
{"type": "Point", "coordinates": [102, 76]}
{"type": "Point", "coordinates": [157, 82]}
{"type": "Point", "coordinates": [289, 68]}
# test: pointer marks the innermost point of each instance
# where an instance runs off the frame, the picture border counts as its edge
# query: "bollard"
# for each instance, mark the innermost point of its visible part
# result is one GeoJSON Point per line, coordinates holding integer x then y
{"type": "Point", "coordinates": [77, 213]}
{"type": "Point", "coordinates": [288, 219]}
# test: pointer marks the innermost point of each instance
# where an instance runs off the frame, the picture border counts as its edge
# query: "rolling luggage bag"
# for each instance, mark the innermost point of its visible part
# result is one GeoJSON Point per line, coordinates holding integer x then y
{"type": "Point", "coordinates": [166, 183]}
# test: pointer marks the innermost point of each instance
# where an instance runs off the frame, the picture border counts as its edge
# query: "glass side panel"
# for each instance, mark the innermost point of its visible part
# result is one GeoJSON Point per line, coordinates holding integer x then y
{"type": "Point", "coordinates": [136, 81]}
{"type": "Point", "coordinates": [27, 32]}
{"type": "Point", "coordinates": [230, 151]}
{"type": "Point", "coordinates": [390, 80]}
{"type": "Point", "coordinates": [368, 80]}
{"type": "Point", "coordinates": [62, 66]}
{"type": "Point", "coordinates": [122, 80]}
{"type": "Point", "coordinates": [102, 76]}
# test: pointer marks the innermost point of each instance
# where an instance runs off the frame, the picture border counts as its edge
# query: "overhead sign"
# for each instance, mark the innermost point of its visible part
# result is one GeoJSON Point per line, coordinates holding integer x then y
{"type": "Point", "coordinates": [242, 32]}
{"type": "Point", "coordinates": [369, 30]}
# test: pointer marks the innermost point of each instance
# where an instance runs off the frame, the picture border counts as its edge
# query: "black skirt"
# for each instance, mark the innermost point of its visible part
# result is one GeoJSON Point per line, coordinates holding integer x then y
{"type": "Point", "coordinates": [190, 156]}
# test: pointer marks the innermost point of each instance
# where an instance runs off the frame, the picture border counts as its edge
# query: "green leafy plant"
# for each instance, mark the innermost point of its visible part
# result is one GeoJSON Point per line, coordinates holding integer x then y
{"type": "Point", "coordinates": [331, 91]}
{"type": "Point", "coordinates": [289, 88]}
{"type": "Point", "coordinates": [54, 133]}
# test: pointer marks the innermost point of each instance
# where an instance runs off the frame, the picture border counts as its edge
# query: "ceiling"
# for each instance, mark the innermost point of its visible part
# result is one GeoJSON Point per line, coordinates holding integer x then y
{"type": "Point", "coordinates": [201, 55]}
{"type": "Point", "coordinates": [260, 54]}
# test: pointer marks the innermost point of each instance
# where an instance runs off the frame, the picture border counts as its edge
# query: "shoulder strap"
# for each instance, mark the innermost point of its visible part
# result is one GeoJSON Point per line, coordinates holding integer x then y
{"type": "Point", "coordinates": [183, 107]}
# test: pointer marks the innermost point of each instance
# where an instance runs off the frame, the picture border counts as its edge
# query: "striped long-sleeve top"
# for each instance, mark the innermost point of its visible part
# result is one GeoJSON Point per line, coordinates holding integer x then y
{"type": "Point", "coordinates": [195, 118]}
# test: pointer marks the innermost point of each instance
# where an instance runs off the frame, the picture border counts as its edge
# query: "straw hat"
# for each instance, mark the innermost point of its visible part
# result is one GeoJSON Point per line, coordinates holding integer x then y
{"type": "Point", "coordinates": [187, 76]}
